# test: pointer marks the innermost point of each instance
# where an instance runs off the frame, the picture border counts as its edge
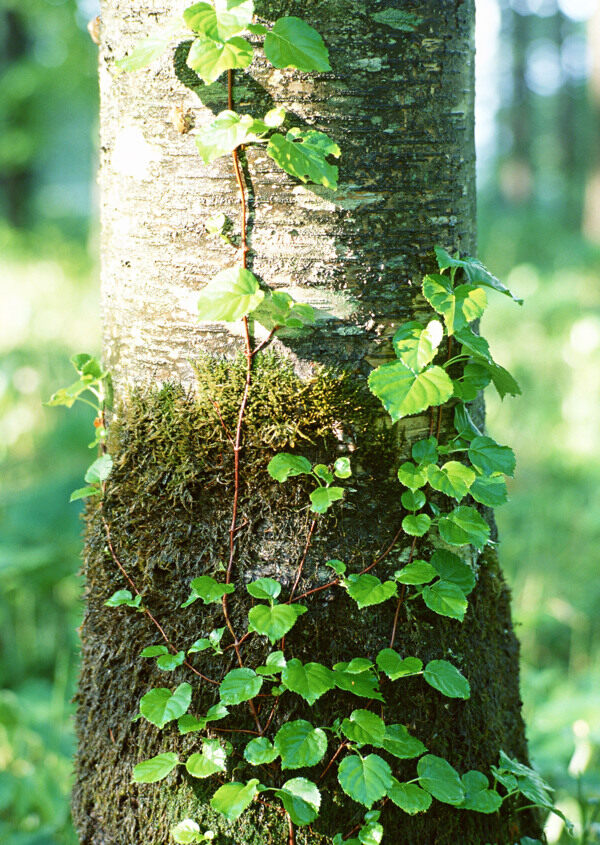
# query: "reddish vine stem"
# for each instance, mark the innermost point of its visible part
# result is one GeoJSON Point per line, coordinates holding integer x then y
{"type": "Point", "coordinates": [292, 832]}
{"type": "Point", "coordinates": [441, 408]}
{"type": "Point", "coordinates": [402, 595]}
{"type": "Point", "coordinates": [332, 761]}
{"type": "Point", "coordinates": [152, 618]}
{"type": "Point", "coordinates": [311, 531]}
{"type": "Point", "coordinates": [222, 421]}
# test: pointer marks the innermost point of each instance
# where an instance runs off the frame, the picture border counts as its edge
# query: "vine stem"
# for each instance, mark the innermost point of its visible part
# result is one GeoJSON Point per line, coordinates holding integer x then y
{"type": "Point", "coordinates": [402, 595]}
{"type": "Point", "coordinates": [152, 618]}
{"type": "Point", "coordinates": [311, 531]}
{"type": "Point", "coordinates": [332, 761]}
{"type": "Point", "coordinates": [292, 832]}
{"type": "Point", "coordinates": [441, 409]}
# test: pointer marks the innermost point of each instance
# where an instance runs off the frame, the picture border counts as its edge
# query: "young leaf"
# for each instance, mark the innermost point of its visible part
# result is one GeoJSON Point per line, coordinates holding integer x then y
{"type": "Point", "coordinates": [404, 392]}
{"type": "Point", "coordinates": [189, 723]}
{"type": "Point", "coordinates": [447, 679]}
{"type": "Point", "coordinates": [489, 490]}
{"type": "Point", "coordinates": [417, 572]}
{"type": "Point", "coordinates": [529, 782]}
{"type": "Point", "coordinates": [227, 132]}
{"type": "Point", "coordinates": [417, 346]}
{"type": "Point", "coordinates": [267, 589]}
{"type": "Point", "coordinates": [401, 744]}
{"type": "Point", "coordinates": [416, 525]}
{"type": "Point", "coordinates": [409, 797]}
{"type": "Point", "coordinates": [168, 662]}
{"type": "Point", "coordinates": [411, 476]}
{"type": "Point", "coordinates": [303, 153]}
{"type": "Point", "coordinates": [475, 272]}
{"type": "Point", "coordinates": [489, 457]}
{"type": "Point", "coordinates": [425, 451]}
{"type": "Point", "coordinates": [367, 590]}
{"type": "Point", "coordinates": [371, 833]}
{"type": "Point", "coordinates": [440, 779]}
{"type": "Point", "coordinates": [293, 43]}
{"type": "Point", "coordinates": [413, 500]}
{"type": "Point", "coordinates": [186, 831]}
{"type": "Point", "coordinates": [232, 799]}
{"type": "Point", "coordinates": [458, 306]}
{"type": "Point", "coordinates": [364, 728]}
{"type": "Point", "coordinates": [239, 685]}
{"type": "Point", "coordinates": [149, 49]}
{"type": "Point", "coordinates": [160, 705]}
{"type": "Point", "coordinates": [284, 466]}
{"type": "Point", "coordinates": [301, 799]}
{"type": "Point", "coordinates": [479, 797]}
{"type": "Point", "coordinates": [219, 21]}
{"type": "Point", "coordinates": [84, 493]}
{"type": "Point", "coordinates": [357, 666]}
{"type": "Point", "coordinates": [452, 568]}
{"type": "Point", "coordinates": [260, 751]}
{"type": "Point", "coordinates": [464, 525]}
{"type": "Point", "coordinates": [211, 58]}
{"type": "Point", "coordinates": [394, 666]}
{"type": "Point", "coordinates": [365, 779]}
{"type": "Point", "coordinates": [274, 622]}
{"type": "Point", "coordinates": [446, 599]}
{"type": "Point", "coordinates": [212, 759]}
{"type": "Point", "coordinates": [124, 597]}
{"type": "Point", "coordinates": [300, 744]}
{"type": "Point", "coordinates": [154, 651]}
{"type": "Point", "coordinates": [337, 565]}
{"type": "Point", "coordinates": [311, 680]}
{"type": "Point", "coordinates": [232, 294]}
{"type": "Point", "coordinates": [208, 589]}
{"type": "Point", "coordinates": [452, 478]}
{"type": "Point", "coordinates": [99, 470]}
{"type": "Point", "coordinates": [156, 768]}
{"type": "Point", "coordinates": [323, 498]}
{"type": "Point", "coordinates": [342, 468]}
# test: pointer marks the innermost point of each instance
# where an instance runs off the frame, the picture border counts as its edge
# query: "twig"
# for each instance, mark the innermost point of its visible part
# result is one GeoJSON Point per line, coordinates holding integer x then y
{"type": "Point", "coordinates": [332, 761]}
{"type": "Point", "coordinates": [402, 595]}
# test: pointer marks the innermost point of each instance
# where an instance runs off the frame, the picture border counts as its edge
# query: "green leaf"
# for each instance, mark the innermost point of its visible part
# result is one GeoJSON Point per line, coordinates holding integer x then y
{"type": "Point", "coordinates": [274, 622]}
{"type": "Point", "coordinates": [227, 132]}
{"type": "Point", "coordinates": [367, 590]}
{"type": "Point", "coordinates": [219, 21]}
{"type": "Point", "coordinates": [232, 799]}
{"type": "Point", "coordinates": [479, 797]}
{"type": "Point", "coordinates": [365, 780]}
{"type": "Point", "coordinates": [84, 492]}
{"type": "Point", "coordinates": [404, 392]}
{"type": "Point", "coordinates": [503, 381]}
{"type": "Point", "coordinates": [324, 473]}
{"type": "Point", "coordinates": [464, 525]}
{"type": "Point", "coordinates": [447, 679]}
{"type": "Point", "coordinates": [303, 153]}
{"type": "Point", "coordinates": [416, 525]}
{"type": "Point", "coordinates": [529, 782]}
{"type": "Point", "coordinates": [293, 43]}
{"type": "Point", "coordinates": [156, 768]}
{"type": "Point", "coordinates": [260, 751]}
{"type": "Point", "coordinates": [284, 466]}
{"type": "Point", "coordinates": [208, 589]}
{"type": "Point", "coordinates": [323, 498]}
{"type": "Point", "coordinates": [425, 451]}
{"type": "Point", "coordinates": [452, 568]}
{"type": "Point", "coordinates": [363, 684]}
{"type": "Point", "coordinates": [409, 797]}
{"type": "Point", "coordinates": [301, 799]}
{"type": "Point", "coordinates": [168, 662]}
{"type": "Point", "coordinates": [394, 666]}
{"type": "Point", "coordinates": [397, 19]}
{"type": "Point", "coordinates": [411, 476]}
{"type": "Point", "coordinates": [464, 425]}
{"type": "Point", "coordinates": [475, 378]}
{"type": "Point", "coordinates": [274, 664]}
{"type": "Point", "coordinates": [311, 680]}
{"type": "Point", "coordinates": [371, 833]}
{"type": "Point", "coordinates": [446, 599]}
{"type": "Point", "coordinates": [154, 651]}
{"type": "Point", "coordinates": [186, 831]}
{"type": "Point", "coordinates": [216, 224]}
{"type": "Point", "coordinates": [338, 566]}
{"type": "Point", "coordinates": [413, 500]}
{"type": "Point", "coordinates": [475, 272]}
{"type": "Point", "coordinates": [417, 346]}
{"type": "Point", "coordinates": [189, 723]}
{"type": "Point", "coordinates": [401, 744]}
{"type": "Point", "coordinates": [300, 744]}
{"type": "Point", "coordinates": [417, 572]}
{"type": "Point", "coordinates": [440, 779]}
{"type": "Point", "coordinates": [452, 478]}
{"type": "Point", "coordinates": [489, 490]}
{"type": "Point", "coordinates": [239, 685]}
{"type": "Point", "coordinates": [211, 58]}
{"type": "Point", "coordinates": [278, 310]}
{"type": "Point", "coordinates": [356, 666]}
{"type": "Point", "coordinates": [87, 365]}
{"type": "Point", "coordinates": [364, 728]}
{"type": "Point", "coordinates": [473, 343]}
{"type": "Point", "coordinates": [458, 306]}
{"type": "Point", "coordinates": [489, 457]}
{"type": "Point", "coordinates": [124, 597]}
{"type": "Point", "coordinates": [267, 589]}
{"type": "Point", "coordinates": [342, 468]}
{"type": "Point", "coordinates": [99, 470]}
{"type": "Point", "coordinates": [149, 49]}
{"type": "Point", "coordinates": [232, 294]}
{"type": "Point", "coordinates": [160, 705]}
{"type": "Point", "coordinates": [212, 759]}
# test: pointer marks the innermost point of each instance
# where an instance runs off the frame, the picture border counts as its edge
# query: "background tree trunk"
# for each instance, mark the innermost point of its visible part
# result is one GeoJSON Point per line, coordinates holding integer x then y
{"type": "Point", "coordinates": [400, 105]}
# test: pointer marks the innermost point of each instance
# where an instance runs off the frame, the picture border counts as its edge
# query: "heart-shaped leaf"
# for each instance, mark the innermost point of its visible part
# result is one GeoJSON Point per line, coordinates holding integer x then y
{"type": "Point", "coordinates": [232, 294]}
{"type": "Point", "coordinates": [404, 392]}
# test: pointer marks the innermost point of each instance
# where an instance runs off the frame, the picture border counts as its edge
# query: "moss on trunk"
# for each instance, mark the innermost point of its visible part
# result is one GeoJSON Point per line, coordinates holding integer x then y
{"type": "Point", "coordinates": [168, 503]}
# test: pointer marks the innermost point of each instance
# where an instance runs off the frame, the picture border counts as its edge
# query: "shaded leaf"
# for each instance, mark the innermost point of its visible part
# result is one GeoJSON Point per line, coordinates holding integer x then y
{"type": "Point", "coordinates": [156, 768]}
{"type": "Point", "coordinates": [447, 679]}
{"type": "Point", "coordinates": [239, 685]}
{"type": "Point", "coordinates": [311, 680]}
{"type": "Point", "coordinates": [301, 799]}
{"type": "Point", "coordinates": [211, 58]}
{"type": "Point", "coordinates": [232, 799]}
{"type": "Point", "coordinates": [464, 525]}
{"type": "Point", "coordinates": [284, 466]}
{"type": "Point", "coordinates": [303, 153]}
{"type": "Point", "coordinates": [365, 780]}
{"type": "Point", "coordinates": [446, 599]}
{"type": "Point", "coordinates": [394, 666]}
{"type": "Point", "coordinates": [440, 779]}
{"type": "Point", "coordinates": [293, 43]}
{"type": "Point", "coordinates": [300, 744]}
{"type": "Point", "coordinates": [160, 705]}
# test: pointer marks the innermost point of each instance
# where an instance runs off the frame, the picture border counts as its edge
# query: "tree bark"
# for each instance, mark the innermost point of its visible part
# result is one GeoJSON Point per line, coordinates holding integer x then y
{"type": "Point", "coordinates": [400, 105]}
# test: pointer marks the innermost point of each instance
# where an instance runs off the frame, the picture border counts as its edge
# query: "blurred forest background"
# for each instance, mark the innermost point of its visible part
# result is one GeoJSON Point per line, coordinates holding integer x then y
{"type": "Point", "coordinates": [539, 220]}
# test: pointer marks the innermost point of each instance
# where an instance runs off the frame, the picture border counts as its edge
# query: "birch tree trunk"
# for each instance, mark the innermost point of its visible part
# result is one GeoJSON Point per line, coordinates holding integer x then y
{"type": "Point", "coordinates": [400, 105]}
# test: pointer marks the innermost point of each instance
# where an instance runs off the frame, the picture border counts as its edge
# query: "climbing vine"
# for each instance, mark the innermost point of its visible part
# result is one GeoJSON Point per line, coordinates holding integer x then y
{"type": "Point", "coordinates": [454, 474]}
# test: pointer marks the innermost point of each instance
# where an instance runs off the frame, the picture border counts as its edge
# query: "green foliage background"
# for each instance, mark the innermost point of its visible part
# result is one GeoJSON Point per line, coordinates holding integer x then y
{"type": "Point", "coordinates": [550, 530]}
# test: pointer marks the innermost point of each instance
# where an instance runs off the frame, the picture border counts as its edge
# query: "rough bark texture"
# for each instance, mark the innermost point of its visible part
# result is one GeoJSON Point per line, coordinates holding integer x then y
{"type": "Point", "coordinates": [400, 106]}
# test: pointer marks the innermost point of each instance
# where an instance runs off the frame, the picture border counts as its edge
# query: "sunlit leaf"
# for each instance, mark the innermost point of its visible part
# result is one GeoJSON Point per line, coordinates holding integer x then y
{"type": "Point", "coordinates": [293, 43]}
{"type": "Point", "coordinates": [447, 679]}
{"type": "Point", "coordinates": [156, 768]}
{"type": "Point", "coordinates": [232, 294]}
{"type": "Point", "coordinates": [365, 779]}
{"type": "Point", "coordinates": [303, 153]}
{"type": "Point", "coordinates": [404, 392]}
{"type": "Point", "coordinates": [300, 744]}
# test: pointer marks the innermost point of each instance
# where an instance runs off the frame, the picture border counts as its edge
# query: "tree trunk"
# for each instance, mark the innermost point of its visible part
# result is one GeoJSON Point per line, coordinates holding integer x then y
{"type": "Point", "coordinates": [400, 105]}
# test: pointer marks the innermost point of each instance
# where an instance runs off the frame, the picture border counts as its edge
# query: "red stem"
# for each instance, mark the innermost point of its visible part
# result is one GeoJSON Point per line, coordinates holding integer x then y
{"type": "Point", "coordinates": [402, 595]}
